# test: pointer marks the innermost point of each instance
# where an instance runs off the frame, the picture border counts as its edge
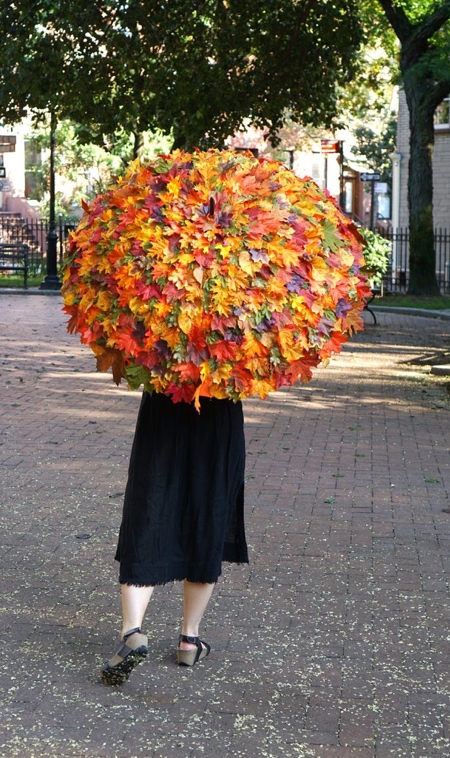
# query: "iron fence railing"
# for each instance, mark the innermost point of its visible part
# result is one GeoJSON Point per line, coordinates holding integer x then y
{"type": "Point", "coordinates": [14, 228]}
{"type": "Point", "coordinates": [396, 279]}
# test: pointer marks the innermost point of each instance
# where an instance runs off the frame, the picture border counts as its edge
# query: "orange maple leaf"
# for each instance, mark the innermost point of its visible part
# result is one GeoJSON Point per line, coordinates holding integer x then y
{"type": "Point", "coordinates": [111, 358]}
{"type": "Point", "coordinates": [353, 321]}
{"type": "Point", "coordinates": [333, 345]}
{"type": "Point", "coordinates": [300, 369]}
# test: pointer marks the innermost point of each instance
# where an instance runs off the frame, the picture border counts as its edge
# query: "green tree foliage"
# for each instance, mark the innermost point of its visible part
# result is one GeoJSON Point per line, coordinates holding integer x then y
{"type": "Point", "coordinates": [375, 143]}
{"type": "Point", "coordinates": [423, 30]}
{"type": "Point", "coordinates": [87, 167]}
{"type": "Point", "coordinates": [193, 68]}
{"type": "Point", "coordinates": [366, 103]}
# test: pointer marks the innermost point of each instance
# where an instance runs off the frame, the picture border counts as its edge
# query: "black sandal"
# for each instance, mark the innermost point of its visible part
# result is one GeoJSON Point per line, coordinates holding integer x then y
{"type": "Point", "coordinates": [131, 652]}
{"type": "Point", "coordinates": [190, 657]}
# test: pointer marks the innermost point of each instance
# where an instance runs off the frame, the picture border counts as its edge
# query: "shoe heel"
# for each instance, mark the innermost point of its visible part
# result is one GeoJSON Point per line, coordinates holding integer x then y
{"type": "Point", "coordinates": [190, 657]}
{"type": "Point", "coordinates": [186, 657]}
{"type": "Point", "coordinates": [133, 650]}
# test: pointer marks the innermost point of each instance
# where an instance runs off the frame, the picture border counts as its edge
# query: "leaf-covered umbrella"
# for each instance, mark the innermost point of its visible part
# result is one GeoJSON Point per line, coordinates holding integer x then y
{"type": "Point", "coordinates": [213, 274]}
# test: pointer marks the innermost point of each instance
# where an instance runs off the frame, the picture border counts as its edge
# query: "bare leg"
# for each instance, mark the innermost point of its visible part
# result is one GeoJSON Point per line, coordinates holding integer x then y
{"type": "Point", "coordinates": [196, 599]}
{"type": "Point", "coordinates": [134, 605]}
{"type": "Point", "coordinates": [134, 647]}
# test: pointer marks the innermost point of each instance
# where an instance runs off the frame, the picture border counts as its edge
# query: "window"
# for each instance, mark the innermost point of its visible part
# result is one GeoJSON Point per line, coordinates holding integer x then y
{"type": "Point", "coordinates": [35, 176]}
{"type": "Point", "coordinates": [442, 115]}
{"type": "Point", "coordinates": [317, 172]}
{"type": "Point", "coordinates": [33, 154]}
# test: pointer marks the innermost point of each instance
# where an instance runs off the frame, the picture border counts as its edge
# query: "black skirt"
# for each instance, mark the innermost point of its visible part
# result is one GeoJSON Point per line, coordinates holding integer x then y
{"type": "Point", "coordinates": [183, 512]}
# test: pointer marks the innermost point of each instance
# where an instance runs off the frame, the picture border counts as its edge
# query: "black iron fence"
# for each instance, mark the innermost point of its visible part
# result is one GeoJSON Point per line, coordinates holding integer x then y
{"type": "Point", "coordinates": [397, 277]}
{"type": "Point", "coordinates": [14, 228]}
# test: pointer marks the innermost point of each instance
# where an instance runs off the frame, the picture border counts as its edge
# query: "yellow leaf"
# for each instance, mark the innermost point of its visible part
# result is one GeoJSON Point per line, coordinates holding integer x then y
{"type": "Point", "coordinates": [104, 300]}
{"type": "Point", "coordinates": [198, 274]}
{"type": "Point", "coordinates": [291, 348]}
{"type": "Point", "coordinates": [257, 366]}
{"type": "Point", "coordinates": [69, 298]}
{"type": "Point", "coordinates": [245, 262]}
{"type": "Point", "coordinates": [204, 370]}
{"type": "Point", "coordinates": [254, 347]}
{"type": "Point", "coordinates": [346, 257]}
{"type": "Point", "coordinates": [262, 387]}
{"type": "Point", "coordinates": [185, 322]}
{"type": "Point", "coordinates": [319, 269]}
{"type": "Point", "coordinates": [222, 373]}
{"type": "Point", "coordinates": [87, 301]}
{"type": "Point", "coordinates": [138, 307]}
{"type": "Point", "coordinates": [174, 186]}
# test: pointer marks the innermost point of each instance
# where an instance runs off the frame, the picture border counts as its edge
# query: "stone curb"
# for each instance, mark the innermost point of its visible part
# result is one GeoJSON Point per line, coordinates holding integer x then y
{"type": "Point", "coordinates": [423, 312]}
{"type": "Point", "coordinates": [32, 291]}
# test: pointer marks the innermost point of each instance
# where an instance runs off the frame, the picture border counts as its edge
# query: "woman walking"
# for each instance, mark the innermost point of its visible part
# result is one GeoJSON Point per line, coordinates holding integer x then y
{"type": "Point", "coordinates": [203, 275]}
{"type": "Point", "coordinates": [183, 516]}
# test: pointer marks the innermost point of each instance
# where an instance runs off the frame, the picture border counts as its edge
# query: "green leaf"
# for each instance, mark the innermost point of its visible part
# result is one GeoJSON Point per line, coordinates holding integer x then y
{"type": "Point", "coordinates": [136, 376]}
{"type": "Point", "coordinates": [330, 238]}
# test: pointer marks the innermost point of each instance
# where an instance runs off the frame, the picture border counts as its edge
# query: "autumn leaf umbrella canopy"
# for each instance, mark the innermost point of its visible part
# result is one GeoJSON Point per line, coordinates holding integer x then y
{"type": "Point", "coordinates": [213, 274]}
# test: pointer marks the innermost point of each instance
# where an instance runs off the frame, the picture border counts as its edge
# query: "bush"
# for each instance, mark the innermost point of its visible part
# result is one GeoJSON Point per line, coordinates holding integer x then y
{"type": "Point", "coordinates": [376, 251]}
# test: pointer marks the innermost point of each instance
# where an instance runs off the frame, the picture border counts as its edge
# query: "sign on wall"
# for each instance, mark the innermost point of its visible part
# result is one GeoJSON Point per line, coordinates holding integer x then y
{"type": "Point", "coordinates": [7, 143]}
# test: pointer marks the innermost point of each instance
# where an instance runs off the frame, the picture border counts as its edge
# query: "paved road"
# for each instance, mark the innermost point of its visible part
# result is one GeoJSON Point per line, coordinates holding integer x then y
{"type": "Point", "coordinates": [333, 643]}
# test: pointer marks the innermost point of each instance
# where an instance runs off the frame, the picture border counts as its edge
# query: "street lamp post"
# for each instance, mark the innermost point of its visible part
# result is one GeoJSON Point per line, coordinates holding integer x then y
{"type": "Point", "coordinates": [52, 280]}
{"type": "Point", "coordinates": [341, 175]}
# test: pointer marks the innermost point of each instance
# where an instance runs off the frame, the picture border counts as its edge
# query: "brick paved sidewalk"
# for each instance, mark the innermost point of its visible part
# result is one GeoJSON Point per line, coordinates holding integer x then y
{"type": "Point", "coordinates": [333, 643]}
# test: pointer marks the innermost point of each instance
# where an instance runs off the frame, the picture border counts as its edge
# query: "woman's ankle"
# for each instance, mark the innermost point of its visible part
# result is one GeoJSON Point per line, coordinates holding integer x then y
{"type": "Point", "coordinates": [184, 644]}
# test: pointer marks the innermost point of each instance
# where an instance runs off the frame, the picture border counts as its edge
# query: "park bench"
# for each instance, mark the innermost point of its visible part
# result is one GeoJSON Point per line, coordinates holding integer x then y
{"type": "Point", "coordinates": [14, 257]}
{"type": "Point", "coordinates": [375, 291]}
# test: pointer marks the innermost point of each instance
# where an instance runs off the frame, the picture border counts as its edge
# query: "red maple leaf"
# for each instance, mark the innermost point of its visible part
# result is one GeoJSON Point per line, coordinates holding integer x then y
{"type": "Point", "coordinates": [171, 292]}
{"type": "Point", "coordinates": [224, 350]}
{"type": "Point", "coordinates": [187, 371]}
{"type": "Point", "coordinates": [147, 358]}
{"type": "Point", "coordinates": [222, 323]}
{"type": "Point", "coordinates": [72, 311]}
{"type": "Point", "coordinates": [148, 290]}
{"type": "Point", "coordinates": [197, 338]}
{"type": "Point", "coordinates": [178, 394]}
{"type": "Point", "coordinates": [242, 378]}
{"type": "Point", "coordinates": [126, 341]}
{"type": "Point", "coordinates": [204, 259]}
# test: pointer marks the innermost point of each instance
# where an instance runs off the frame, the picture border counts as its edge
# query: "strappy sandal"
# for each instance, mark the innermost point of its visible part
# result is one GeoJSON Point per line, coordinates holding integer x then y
{"type": "Point", "coordinates": [190, 657]}
{"type": "Point", "coordinates": [132, 651]}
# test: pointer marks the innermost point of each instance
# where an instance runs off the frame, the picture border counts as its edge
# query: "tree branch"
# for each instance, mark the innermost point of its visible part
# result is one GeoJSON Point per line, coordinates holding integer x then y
{"type": "Point", "coordinates": [414, 37]}
{"type": "Point", "coordinates": [432, 23]}
{"type": "Point", "coordinates": [421, 31]}
{"type": "Point", "coordinates": [397, 19]}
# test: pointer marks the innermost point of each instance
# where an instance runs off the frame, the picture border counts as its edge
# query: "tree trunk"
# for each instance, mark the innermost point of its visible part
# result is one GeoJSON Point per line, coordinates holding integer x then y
{"type": "Point", "coordinates": [422, 256]}
{"type": "Point", "coordinates": [138, 146]}
{"type": "Point", "coordinates": [179, 142]}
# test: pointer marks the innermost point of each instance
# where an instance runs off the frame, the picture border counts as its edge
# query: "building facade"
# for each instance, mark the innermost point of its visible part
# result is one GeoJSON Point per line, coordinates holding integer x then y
{"type": "Point", "coordinates": [320, 157]}
{"type": "Point", "coordinates": [441, 168]}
